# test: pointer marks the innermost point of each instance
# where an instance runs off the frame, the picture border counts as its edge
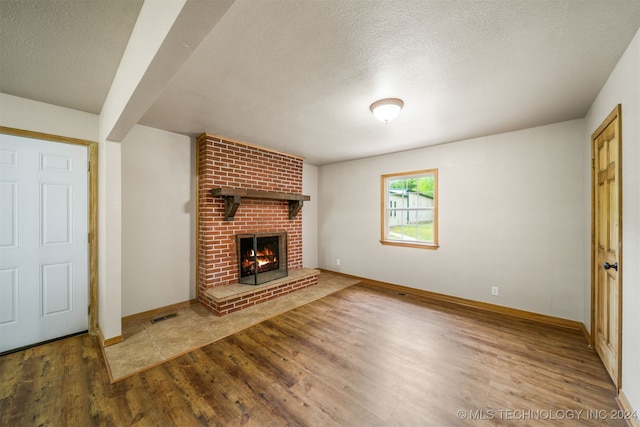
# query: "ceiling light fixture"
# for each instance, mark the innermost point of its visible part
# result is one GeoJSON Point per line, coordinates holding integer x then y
{"type": "Point", "coordinates": [386, 109]}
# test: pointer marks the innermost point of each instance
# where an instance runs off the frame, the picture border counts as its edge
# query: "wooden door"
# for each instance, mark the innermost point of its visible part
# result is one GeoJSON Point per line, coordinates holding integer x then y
{"type": "Point", "coordinates": [43, 240]}
{"type": "Point", "coordinates": [607, 244]}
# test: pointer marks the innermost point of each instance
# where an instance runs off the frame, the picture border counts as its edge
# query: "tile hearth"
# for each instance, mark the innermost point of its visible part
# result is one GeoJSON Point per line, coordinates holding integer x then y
{"type": "Point", "coordinates": [149, 344]}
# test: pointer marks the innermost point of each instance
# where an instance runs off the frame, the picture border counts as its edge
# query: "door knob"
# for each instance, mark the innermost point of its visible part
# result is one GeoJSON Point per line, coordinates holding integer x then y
{"type": "Point", "coordinates": [608, 266]}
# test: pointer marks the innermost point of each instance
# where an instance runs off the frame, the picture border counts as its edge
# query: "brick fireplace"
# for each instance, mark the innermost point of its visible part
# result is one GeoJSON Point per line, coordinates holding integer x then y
{"type": "Point", "coordinates": [255, 190]}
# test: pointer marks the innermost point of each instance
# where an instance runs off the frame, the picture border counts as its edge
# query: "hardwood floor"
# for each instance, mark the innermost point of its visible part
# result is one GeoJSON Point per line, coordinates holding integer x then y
{"type": "Point", "coordinates": [359, 357]}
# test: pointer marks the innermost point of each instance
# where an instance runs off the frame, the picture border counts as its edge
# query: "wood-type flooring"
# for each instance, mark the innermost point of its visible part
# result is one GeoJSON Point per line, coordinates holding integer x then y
{"type": "Point", "coordinates": [363, 356]}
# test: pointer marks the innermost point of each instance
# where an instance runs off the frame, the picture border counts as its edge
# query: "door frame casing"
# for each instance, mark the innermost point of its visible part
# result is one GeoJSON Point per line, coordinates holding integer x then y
{"type": "Point", "coordinates": [92, 177]}
{"type": "Point", "coordinates": [615, 113]}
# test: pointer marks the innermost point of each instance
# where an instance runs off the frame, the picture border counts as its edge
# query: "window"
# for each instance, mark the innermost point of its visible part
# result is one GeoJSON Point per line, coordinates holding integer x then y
{"type": "Point", "coordinates": [410, 209]}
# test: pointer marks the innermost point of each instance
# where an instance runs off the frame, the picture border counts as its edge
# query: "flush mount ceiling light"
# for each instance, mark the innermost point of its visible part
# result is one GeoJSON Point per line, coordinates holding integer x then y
{"type": "Point", "coordinates": [386, 109]}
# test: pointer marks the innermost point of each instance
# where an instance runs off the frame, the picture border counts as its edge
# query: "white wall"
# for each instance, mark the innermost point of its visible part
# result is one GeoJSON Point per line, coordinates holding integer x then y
{"type": "Point", "coordinates": [109, 239]}
{"type": "Point", "coordinates": [511, 215]}
{"type": "Point", "coordinates": [21, 113]}
{"type": "Point", "coordinates": [310, 217]}
{"type": "Point", "coordinates": [623, 87]}
{"type": "Point", "coordinates": [158, 219]}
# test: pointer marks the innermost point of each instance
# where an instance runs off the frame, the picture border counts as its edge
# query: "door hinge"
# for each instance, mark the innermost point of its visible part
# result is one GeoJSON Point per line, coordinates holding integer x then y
{"type": "Point", "coordinates": [88, 166]}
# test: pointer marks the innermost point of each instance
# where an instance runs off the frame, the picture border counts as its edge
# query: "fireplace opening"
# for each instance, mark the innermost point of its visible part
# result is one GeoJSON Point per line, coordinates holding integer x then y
{"type": "Point", "coordinates": [262, 257]}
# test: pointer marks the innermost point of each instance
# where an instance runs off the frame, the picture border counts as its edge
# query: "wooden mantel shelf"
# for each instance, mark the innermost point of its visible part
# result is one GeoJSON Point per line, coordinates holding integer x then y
{"type": "Point", "coordinates": [233, 198]}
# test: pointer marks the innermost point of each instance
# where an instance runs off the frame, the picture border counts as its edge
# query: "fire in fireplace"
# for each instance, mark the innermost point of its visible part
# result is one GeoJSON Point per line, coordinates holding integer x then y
{"type": "Point", "coordinates": [262, 257]}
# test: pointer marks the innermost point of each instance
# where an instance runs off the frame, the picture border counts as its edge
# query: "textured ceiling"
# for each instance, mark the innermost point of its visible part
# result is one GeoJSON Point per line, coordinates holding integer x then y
{"type": "Point", "coordinates": [63, 52]}
{"type": "Point", "coordinates": [299, 76]}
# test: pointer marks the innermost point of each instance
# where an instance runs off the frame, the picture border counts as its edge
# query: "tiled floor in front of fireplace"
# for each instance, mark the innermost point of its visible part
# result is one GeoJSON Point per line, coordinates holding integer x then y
{"type": "Point", "coordinates": [149, 344]}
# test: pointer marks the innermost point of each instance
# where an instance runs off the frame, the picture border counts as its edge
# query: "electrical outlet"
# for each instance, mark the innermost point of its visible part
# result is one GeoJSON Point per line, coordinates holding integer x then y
{"type": "Point", "coordinates": [338, 261]}
{"type": "Point", "coordinates": [494, 291]}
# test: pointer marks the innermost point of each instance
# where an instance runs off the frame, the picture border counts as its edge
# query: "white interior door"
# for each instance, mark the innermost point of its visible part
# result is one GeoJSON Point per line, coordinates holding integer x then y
{"type": "Point", "coordinates": [43, 240]}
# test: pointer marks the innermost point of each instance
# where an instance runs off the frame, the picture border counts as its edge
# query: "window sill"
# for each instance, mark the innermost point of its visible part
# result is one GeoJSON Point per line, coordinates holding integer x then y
{"type": "Point", "coordinates": [430, 246]}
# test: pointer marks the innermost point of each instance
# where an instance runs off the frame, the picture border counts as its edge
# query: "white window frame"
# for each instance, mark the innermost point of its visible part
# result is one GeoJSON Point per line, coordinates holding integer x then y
{"type": "Point", "coordinates": [390, 211]}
